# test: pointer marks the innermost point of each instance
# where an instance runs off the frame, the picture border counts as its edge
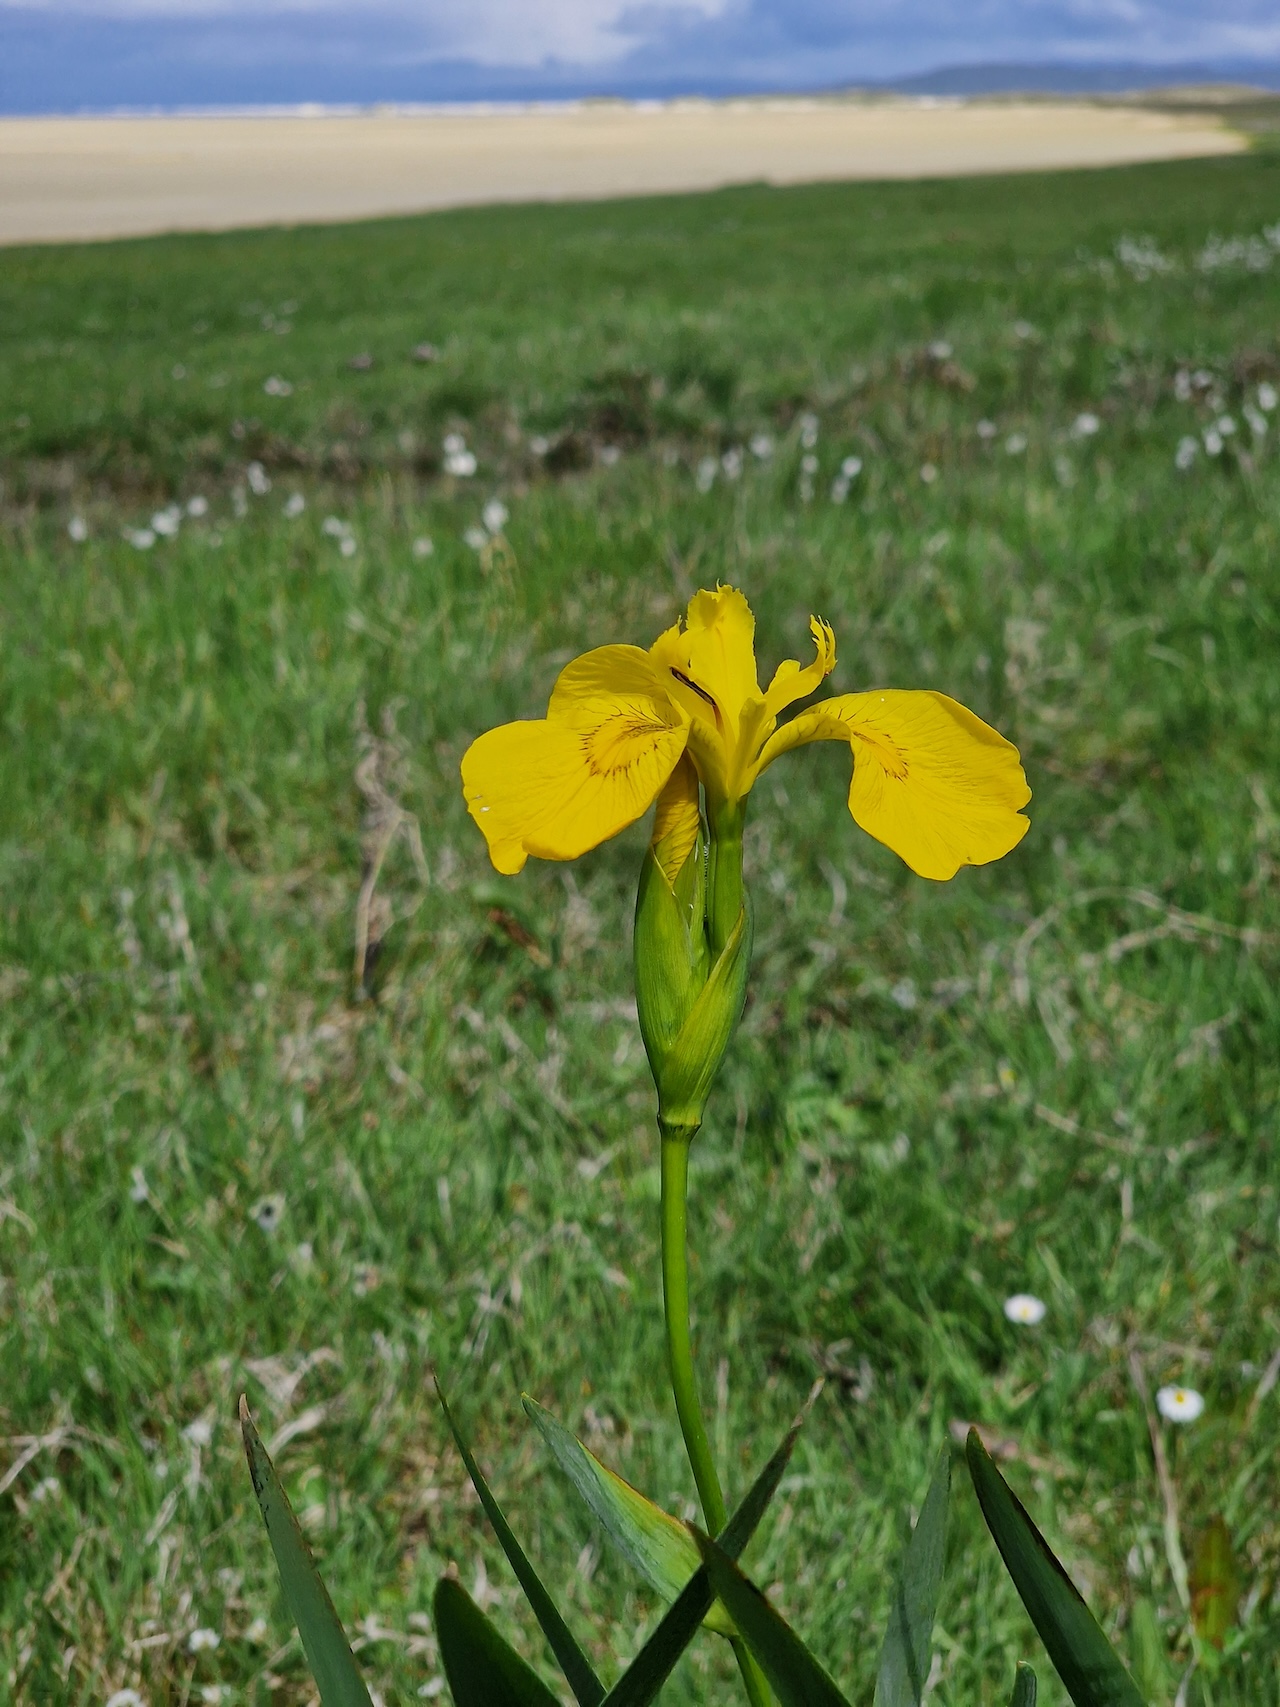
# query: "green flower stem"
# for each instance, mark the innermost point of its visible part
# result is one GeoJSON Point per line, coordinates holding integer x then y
{"type": "Point", "coordinates": [684, 1382]}
{"type": "Point", "coordinates": [725, 893]}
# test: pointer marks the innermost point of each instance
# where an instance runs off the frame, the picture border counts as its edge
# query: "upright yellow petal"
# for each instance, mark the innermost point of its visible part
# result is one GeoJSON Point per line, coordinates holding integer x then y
{"type": "Point", "coordinates": [559, 786]}
{"type": "Point", "coordinates": [719, 642]}
{"type": "Point", "coordinates": [930, 780]}
{"type": "Point", "coordinates": [792, 682]}
{"type": "Point", "coordinates": [677, 819]}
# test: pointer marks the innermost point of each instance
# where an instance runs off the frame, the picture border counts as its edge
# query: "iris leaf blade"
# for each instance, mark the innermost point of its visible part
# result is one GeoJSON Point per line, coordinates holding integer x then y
{"type": "Point", "coordinates": [798, 1679]}
{"type": "Point", "coordinates": [333, 1665]}
{"type": "Point", "coordinates": [482, 1667]}
{"type": "Point", "coordinates": [1024, 1688]}
{"type": "Point", "coordinates": [905, 1654]}
{"type": "Point", "coordinates": [575, 1665]}
{"type": "Point", "coordinates": [646, 1674]}
{"type": "Point", "coordinates": [1090, 1668]}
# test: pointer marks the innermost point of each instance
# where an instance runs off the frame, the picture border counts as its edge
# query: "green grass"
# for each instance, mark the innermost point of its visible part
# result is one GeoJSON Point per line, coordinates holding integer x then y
{"type": "Point", "coordinates": [940, 1094]}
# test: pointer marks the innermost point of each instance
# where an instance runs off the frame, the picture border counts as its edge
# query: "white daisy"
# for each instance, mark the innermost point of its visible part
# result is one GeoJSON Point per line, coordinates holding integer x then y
{"type": "Point", "coordinates": [1179, 1404]}
{"type": "Point", "coordinates": [1025, 1309]}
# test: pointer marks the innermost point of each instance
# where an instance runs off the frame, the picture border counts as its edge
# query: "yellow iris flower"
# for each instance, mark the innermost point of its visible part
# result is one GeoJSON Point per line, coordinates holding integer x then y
{"type": "Point", "coordinates": [626, 728]}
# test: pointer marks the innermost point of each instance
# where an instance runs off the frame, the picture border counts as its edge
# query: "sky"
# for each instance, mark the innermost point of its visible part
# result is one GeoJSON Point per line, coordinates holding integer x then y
{"type": "Point", "coordinates": [66, 55]}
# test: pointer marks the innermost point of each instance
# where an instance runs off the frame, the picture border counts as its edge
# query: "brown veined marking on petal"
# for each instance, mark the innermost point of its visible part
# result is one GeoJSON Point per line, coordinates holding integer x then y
{"type": "Point", "coordinates": [891, 757]}
{"type": "Point", "coordinates": [621, 741]}
{"type": "Point", "coordinates": [702, 693]}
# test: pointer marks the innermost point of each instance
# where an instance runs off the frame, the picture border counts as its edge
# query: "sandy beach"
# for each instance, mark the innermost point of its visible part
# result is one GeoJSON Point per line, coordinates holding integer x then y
{"type": "Point", "coordinates": [69, 179]}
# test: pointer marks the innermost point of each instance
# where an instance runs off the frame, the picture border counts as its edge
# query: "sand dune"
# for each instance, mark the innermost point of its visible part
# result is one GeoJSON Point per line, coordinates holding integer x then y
{"type": "Point", "coordinates": [82, 178]}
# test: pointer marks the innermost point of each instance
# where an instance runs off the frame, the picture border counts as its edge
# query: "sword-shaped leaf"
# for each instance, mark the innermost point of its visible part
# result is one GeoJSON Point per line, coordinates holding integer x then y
{"type": "Point", "coordinates": [482, 1667]}
{"type": "Point", "coordinates": [1024, 1688]}
{"type": "Point", "coordinates": [328, 1654]}
{"type": "Point", "coordinates": [575, 1665]}
{"type": "Point", "coordinates": [797, 1677]}
{"type": "Point", "coordinates": [1086, 1662]}
{"type": "Point", "coordinates": [647, 1673]}
{"type": "Point", "coordinates": [905, 1655]}
{"type": "Point", "coordinates": [657, 1544]}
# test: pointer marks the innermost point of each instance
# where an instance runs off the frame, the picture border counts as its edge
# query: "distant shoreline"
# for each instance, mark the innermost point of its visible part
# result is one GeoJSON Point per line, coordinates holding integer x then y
{"type": "Point", "coordinates": [70, 179]}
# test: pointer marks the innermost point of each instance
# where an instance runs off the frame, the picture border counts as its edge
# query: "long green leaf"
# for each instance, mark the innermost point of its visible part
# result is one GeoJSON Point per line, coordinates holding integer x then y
{"type": "Point", "coordinates": [797, 1677]}
{"type": "Point", "coordinates": [575, 1665]}
{"type": "Point", "coordinates": [657, 1544]}
{"type": "Point", "coordinates": [328, 1654]}
{"type": "Point", "coordinates": [904, 1657]}
{"type": "Point", "coordinates": [1024, 1688]}
{"type": "Point", "coordinates": [483, 1669]}
{"type": "Point", "coordinates": [1086, 1662]}
{"type": "Point", "coordinates": [647, 1673]}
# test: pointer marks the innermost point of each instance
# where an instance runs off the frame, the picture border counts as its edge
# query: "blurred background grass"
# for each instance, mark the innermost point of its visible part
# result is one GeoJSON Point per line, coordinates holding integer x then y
{"type": "Point", "coordinates": [249, 622]}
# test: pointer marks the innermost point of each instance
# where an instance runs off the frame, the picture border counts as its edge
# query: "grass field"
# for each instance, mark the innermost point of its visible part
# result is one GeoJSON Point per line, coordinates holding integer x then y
{"type": "Point", "coordinates": [225, 1167]}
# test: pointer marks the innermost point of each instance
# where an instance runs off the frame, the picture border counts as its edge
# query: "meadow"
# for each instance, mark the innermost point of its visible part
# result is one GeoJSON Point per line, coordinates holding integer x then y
{"type": "Point", "coordinates": [298, 1098]}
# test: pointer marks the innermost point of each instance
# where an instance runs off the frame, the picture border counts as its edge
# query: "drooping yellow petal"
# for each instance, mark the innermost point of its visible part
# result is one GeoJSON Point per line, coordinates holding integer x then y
{"type": "Point", "coordinates": [791, 681]}
{"type": "Point", "coordinates": [677, 819]}
{"type": "Point", "coordinates": [930, 780]}
{"type": "Point", "coordinates": [559, 786]}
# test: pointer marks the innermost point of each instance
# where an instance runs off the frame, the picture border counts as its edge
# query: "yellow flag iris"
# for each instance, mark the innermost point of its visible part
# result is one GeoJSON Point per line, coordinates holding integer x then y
{"type": "Point", "coordinates": [626, 728]}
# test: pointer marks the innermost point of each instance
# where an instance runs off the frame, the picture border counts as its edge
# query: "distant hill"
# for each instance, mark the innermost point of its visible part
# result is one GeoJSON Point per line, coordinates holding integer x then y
{"type": "Point", "coordinates": [55, 61]}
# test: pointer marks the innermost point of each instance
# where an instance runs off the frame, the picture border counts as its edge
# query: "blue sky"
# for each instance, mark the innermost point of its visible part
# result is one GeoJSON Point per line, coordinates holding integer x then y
{"type": "Point", "coordinates": [69, 54]}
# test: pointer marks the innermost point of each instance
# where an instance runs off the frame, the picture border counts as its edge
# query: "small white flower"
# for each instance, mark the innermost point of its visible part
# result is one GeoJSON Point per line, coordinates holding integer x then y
{"type": "Point", "coordinates": [460, 463]}
{"type": "Point", "coordinates": [258, 1632]}
{"type": "Point", "coordinates": [986, 431]}
{"type": "Point", "coordinates": [1213, 442]}
{"type": "Point", "coordinates": [125, 1698]}
{"type": "Point", "coordinates": [809, 463]}
{"type": "Point", "coordinates": [1025, 1309]}
{"type": "Point", "coordinates": [1256, 419]}
{"type": "Point", "coordinates": [1179, 1404]}
{"type": "Point", "coordinates": [1085, 425]}
{"type": "Point", "coordinates": [423, 546]}
{"type": "Point", "coordinates": [199, 1432]}
{"type": "Point", "coordinates": [761, 446]}
{"type": "Point", "coordinates": [731, 462]}
{"type": "Point", "coordinates": [539, 444]}
{"type": "Point", "coordinates": [609, 455]}
{"type": "Point", "coordinates": [335, 528]}
{"type": "Point", "coordinates": [142, 539]}
{"type": "Point", "coordinates": [1186, 453]}
{"type": "Point", "coordinates": [1226, 425]}
{"type": "Point", "coordinates": [274, 386]}
{"type": "Point", "coordinates": [494, 515]}
{"type": "Point", "coordinates": [203, 1640]}
{"type": "Point", "coordinates": [347, 546]}
{"type": "Point", "coordinates": [940, 350]}
{"type": "Point", "coordinates": [258, 478]}
{"type": "Point", "coordinates": [78, 529]}
{"type": "Point", "coordinates": [928, 473]}
{"type": "Point", "coordinates": [198, 506]}
{"type": "Point", "coordinates": [851, 467]}
{"type": "Point", "coordinates": [1268, 396]}
{"type": "Point", "coordinates": [139, 1190]}
{"type": "Point", "coordinates": [294, 505]}
{"type": "Point", "coordinates": [476, 538]}
{"type": "Point", "coordinates": [839, 489]}
{"type": "Point", "coordinates": [453, 443]}
{"type": "Point", "coordinates": [47, 1488]}
{"type": "Point", "coordinates": [705, 478]}
{"type": "Point", "coordinates": [1182, 385]}
{"type": "Point", "coordinates": [166, 522]}
{"type": "Point", "coordinates": [1023, 329]}
{"type": "Point", "coordinates": [808, 430]}
{"type": "Point", "coordinates": [1015, 444]}
{"type": "Point", "coordinates": [268, 1212]}
{"type": "Point", "coordinates": [903, 995]}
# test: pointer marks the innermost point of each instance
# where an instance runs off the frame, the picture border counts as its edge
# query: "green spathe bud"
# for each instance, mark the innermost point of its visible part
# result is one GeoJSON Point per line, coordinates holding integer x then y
{"type": "Point", "coordinates": [689, 1003]}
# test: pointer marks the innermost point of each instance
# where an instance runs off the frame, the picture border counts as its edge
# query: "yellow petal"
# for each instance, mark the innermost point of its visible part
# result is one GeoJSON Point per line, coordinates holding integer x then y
{"type": "Point", "coordinates": [561, 785]}
{"type": "Point", "coordinates": [719, 643]}
{"type": "Point", "coordinates": [791, 682]}
{"type": "Point", "coordinates": [677, 819]}
{"type": "Point", "coordinates": [930, 780]}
